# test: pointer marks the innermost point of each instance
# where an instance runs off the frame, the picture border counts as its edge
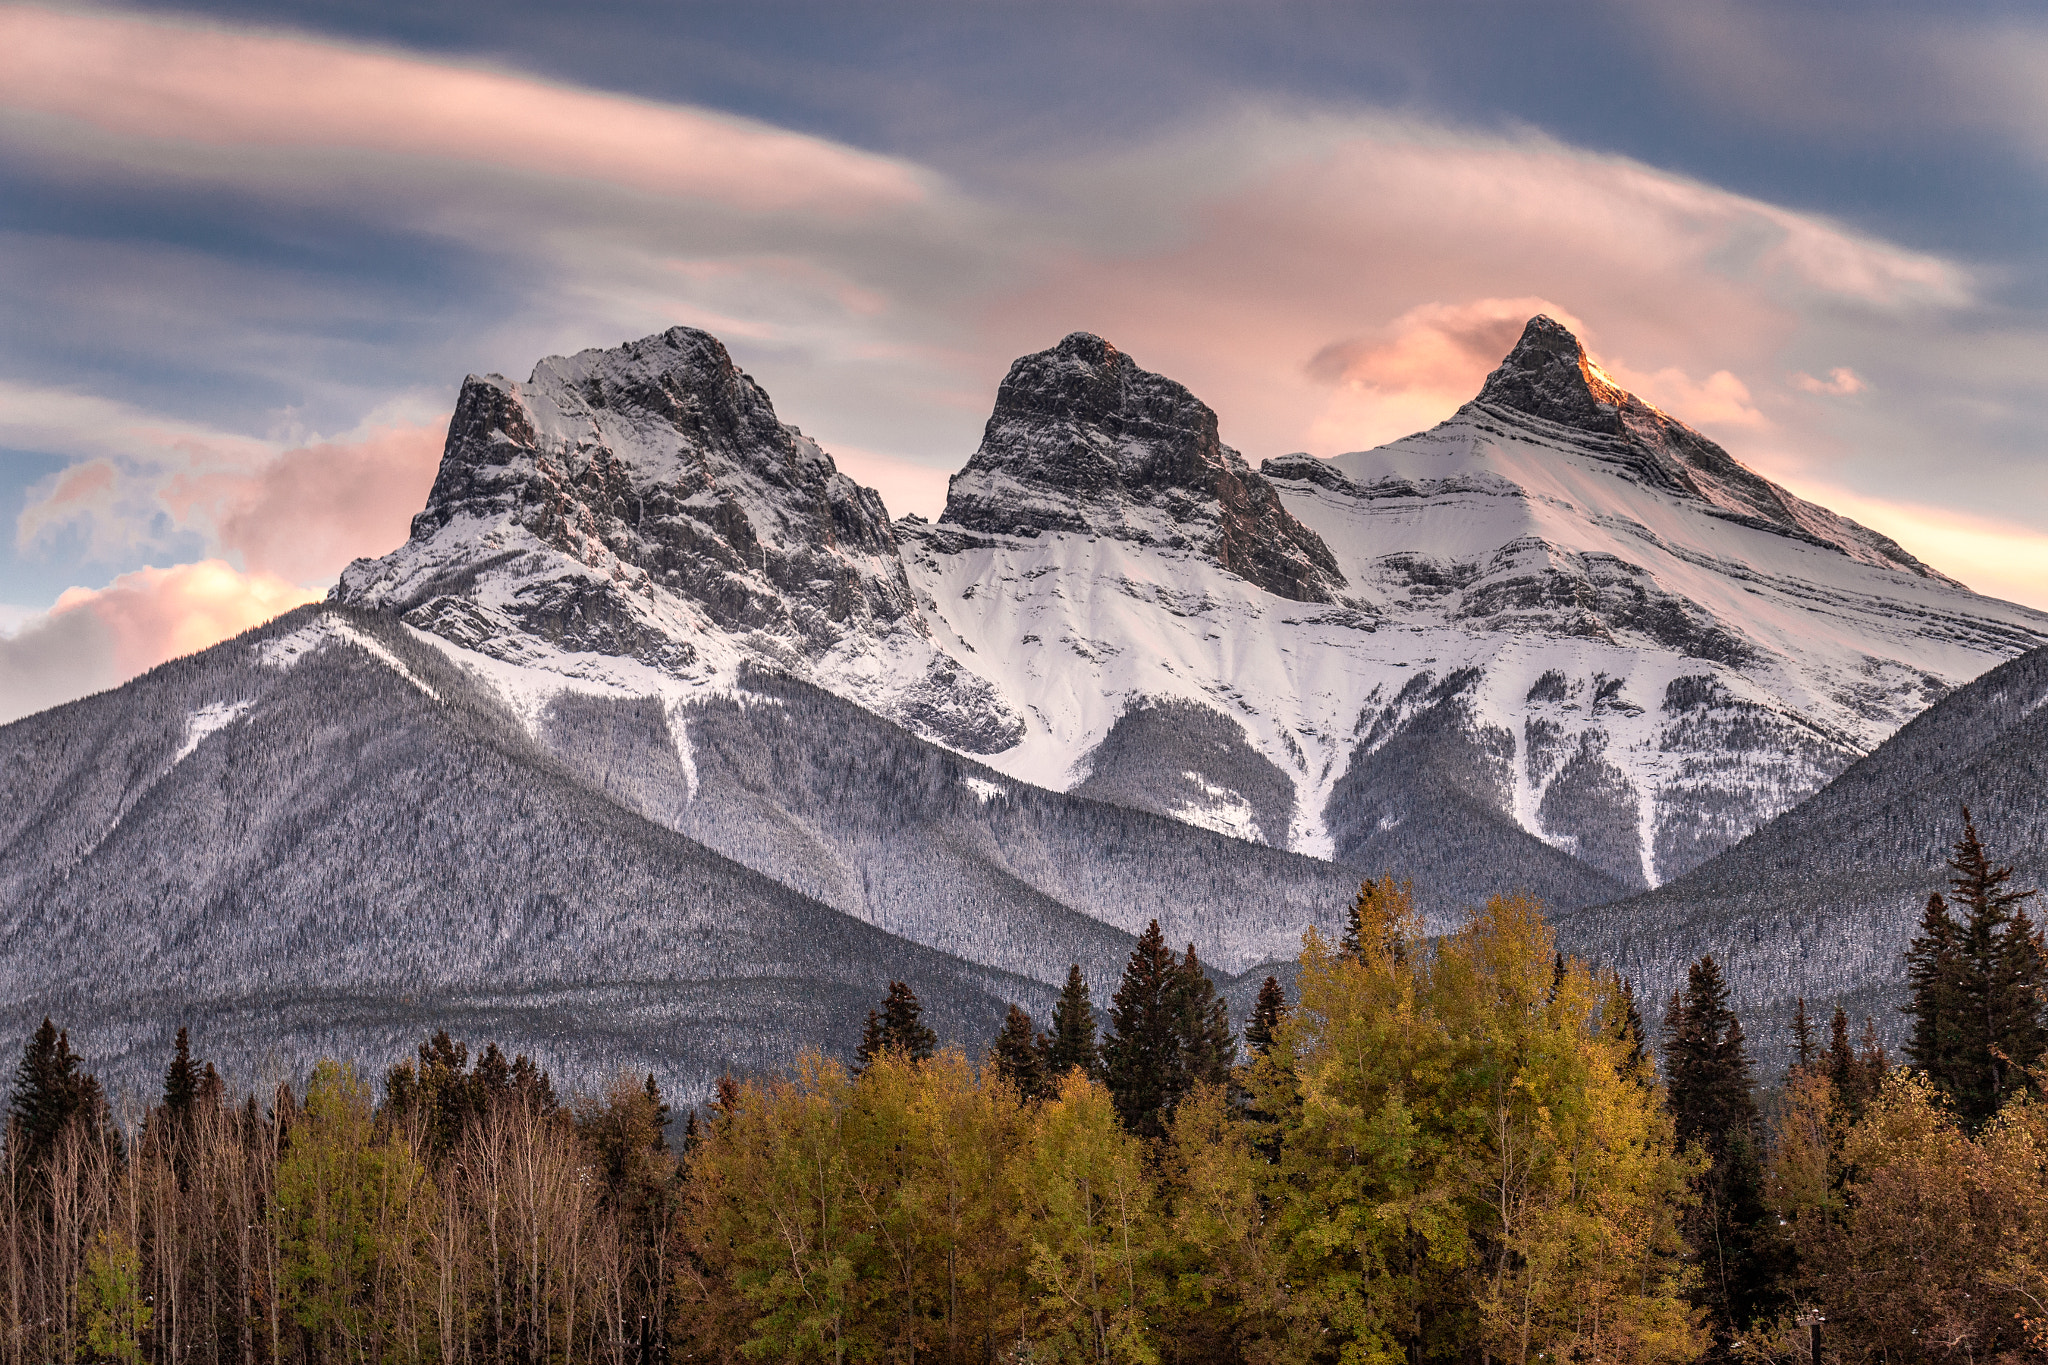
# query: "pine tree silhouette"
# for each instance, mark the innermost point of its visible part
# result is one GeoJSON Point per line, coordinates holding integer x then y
{"type": "Point", "coordinates": [898, 1026]}
{"type": "Point", "coordinates": [51, 1092]}
{"type": "Point", "coordinates": [1804, 1049]}
{"type": "Point", "coordinates": [1019, 1055]}
{"type": "Point", "coordinates": [181, 1080]}
{"type": "Point", "coordinates": [1977, 986]}
{"type": "Point", "coordinates": [1208, 1044]}
{"type": "Point", "coordinates": [1142, 1060]}
{"type": "Point", "coordinates": [1073, 1032]}
{"type": "Point", "coordinates": [1712, 1095]}
{"type": "Point", "coordinates": [1267, 1013]}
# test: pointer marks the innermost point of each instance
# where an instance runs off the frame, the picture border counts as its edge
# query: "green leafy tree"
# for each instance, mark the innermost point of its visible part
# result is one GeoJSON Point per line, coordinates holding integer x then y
{"type": "Point", "coordinates": [115, 1309]}
{"type": "Point", "coordinates": [352, 1212]}
{"type": "Point", "coordinates": [1086, 1217]}
{"type": "Point", "coordinates": [1378, 905]}
{"type": "Point", "coordinates": [1465, 1167]}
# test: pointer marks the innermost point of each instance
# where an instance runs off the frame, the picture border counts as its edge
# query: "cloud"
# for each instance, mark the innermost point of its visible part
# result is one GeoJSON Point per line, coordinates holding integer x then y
{"type": "Point", "coordinates": [301, 512]}
{"type": "Point", "coordinates": [219, 88]}
{"type": "Point", "coordinates": [1997, 557]}
{"type": "Point", "coordinates": [1333, 283]}
{"type": "Point", "coordinates": [95, 638]}
{"type": "Point", "coordinates": [305, 514]}
{"type": "Point", "coordinates": [1841, 382]}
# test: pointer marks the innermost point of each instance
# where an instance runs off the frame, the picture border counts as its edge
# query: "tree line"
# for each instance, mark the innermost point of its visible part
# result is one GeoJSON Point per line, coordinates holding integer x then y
{"type": "Point", "coordinates": [1461, 1149]}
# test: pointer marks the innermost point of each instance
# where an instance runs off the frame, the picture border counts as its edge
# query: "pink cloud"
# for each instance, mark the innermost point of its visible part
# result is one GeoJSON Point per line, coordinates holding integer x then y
{"type": "Point", "coordinates": [153, 615]}
{"type": "Point", "coordinates": [1335, 284]}
{"type": "Point", "coordinates": [96, 638]}
{"type": "Point", "coordinates": [213, 86]}
{"type": "Point", "coordinates": [1840, 382]}
{"type": "Point", "coordinates": [304, 515]}
{"type": "Point", "coordinates": [300, 514]}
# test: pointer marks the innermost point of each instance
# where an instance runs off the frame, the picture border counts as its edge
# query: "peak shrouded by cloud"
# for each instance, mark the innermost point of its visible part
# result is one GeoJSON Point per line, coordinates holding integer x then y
{"type": "Point", "coordinates": [1325, 276]}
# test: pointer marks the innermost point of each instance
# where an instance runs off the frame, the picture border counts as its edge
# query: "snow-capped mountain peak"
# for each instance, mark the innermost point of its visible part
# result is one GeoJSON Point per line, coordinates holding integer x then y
{"type": "Point", "coordinates": [1549, 376]}
{"type": "Point", "coordinates": [1083, 441]}
{"type": "Point", "coordinates": [1560, 640]}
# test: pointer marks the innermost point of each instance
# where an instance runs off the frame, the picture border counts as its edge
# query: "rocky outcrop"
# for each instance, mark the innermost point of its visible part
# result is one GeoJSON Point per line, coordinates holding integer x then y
{"type": "Point", "coordinates": [615, 483]}
{"type": "Point", "coordinates": [1083, 441]}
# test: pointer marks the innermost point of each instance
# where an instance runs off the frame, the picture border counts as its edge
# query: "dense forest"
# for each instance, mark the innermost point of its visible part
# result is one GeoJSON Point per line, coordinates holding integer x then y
{"type": "Point", "coordinates": [1459, 1148]}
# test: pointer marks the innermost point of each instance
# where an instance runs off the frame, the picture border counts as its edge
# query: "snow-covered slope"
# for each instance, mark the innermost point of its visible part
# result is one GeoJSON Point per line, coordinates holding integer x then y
{"type": "Point", "coordinates": [1628, 646]}
{"type": "Point", "coordinates": [1559, 641]}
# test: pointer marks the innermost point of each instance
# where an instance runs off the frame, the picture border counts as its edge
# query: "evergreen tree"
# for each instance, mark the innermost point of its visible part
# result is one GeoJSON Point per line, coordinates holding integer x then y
{"type": "Point", "coordinates": [1804, 1049]}
{"type": "Point", "coordinates": [181, 1081]}
{"type": "Point", "coordinates": [50, 1092]}
{"type": "Point", "coordinates": [898, 1026]}
{"type": "Point", "coordinates": [1712, 1095]}
{"type": "Point", "coordinates": [1624, 1024]}
{"type": "Point", "coordinates": [1073, 1032]}
{"type": "Point", "coordinates": [1143, 1058]}
{"type": "Point", "coordinates": [1019, 1055]}
{"type": "Point", "coordinates": [1267, 1012]}
{"type": "Point", "coordinates": [1208, 1046]}
{"type": "Point", "coordinates": [1978, 986]}
{"type": "Point", "coordinates": [658, 1107]}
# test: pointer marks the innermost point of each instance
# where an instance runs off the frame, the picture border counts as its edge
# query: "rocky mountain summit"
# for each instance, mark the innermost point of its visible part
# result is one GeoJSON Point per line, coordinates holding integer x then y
{"type": "Point", "coordinates": [1549, 376]}
{"type": "Point", "coordinates": [1560, 640]}
{"type": "Point", "coordinates": [1084, 442]}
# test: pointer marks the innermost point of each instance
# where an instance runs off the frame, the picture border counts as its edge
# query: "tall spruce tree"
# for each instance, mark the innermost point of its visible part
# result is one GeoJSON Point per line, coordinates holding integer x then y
{"type": "Point", "coordinates": [51, 1091]}
{"type": "Point", "coordinates": [1208, 1044]}
{"type": "Point", "coordinates": [1142, 1059]}
{"type": "Point", "coordinates": [1018, 1055]}
{"type": "Point", "coordinates": [181, 1081]}
{"type": "Point", "coordinates": [1712, 1095]}
{"type": "Point", "coordinates": [898, 1026]}
{"type": "Point", "coordinates": [1978, 986]}
{"type": "Point", "coordinates": [1267, 1013]}
{"type": "Point", "coordinates": [1804, 1050]}
{"type": "Point", "coordinates": [1072, 1042]}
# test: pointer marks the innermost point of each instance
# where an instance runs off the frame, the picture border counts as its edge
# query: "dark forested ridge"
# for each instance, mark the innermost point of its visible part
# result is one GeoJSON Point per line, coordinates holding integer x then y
{"type": "Point", "coordinates": [1821, 902]}
{"type": "Point", "coordinates": [354, 857]}
{"type": "Point", "coordinates": [323, 836]}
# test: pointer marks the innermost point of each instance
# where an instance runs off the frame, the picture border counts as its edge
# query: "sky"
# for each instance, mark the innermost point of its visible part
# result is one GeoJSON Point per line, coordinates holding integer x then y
{"type": "Point", "coordinates": [248, 251]}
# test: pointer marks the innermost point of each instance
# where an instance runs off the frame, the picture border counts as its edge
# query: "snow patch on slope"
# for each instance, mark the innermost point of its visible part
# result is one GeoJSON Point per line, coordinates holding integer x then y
{"type": "Point", "coordinates": [984, 790]}
{"type": "Point", "coordinates": [1225, 811]}
{"type": "Point", "coordinates": [214, 716]}
{"type": "Point", "coordinates": [287, 650]}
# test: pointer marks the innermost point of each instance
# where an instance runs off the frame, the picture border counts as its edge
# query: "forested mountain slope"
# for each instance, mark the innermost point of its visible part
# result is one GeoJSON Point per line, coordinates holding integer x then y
{"type": "Point", "coordinates": [321, 838]}
{"type": "Point", "coordinates": [1822, 901]}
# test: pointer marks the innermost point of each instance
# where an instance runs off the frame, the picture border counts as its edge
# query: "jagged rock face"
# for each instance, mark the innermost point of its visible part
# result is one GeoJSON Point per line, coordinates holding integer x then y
{"type": "Point", "coordinates": [1083, 441]}
{"type": "Point", "coordinates": [1548, 375]}
{"type": "Point", "coordinates": [619, 495]}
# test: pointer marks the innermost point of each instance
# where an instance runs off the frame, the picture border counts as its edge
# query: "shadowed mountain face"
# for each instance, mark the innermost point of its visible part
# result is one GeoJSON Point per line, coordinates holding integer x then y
{"type": "Point", "coordinates": [1084, 442]}
{"type": "Point", "coordinates": [1822, 901]}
